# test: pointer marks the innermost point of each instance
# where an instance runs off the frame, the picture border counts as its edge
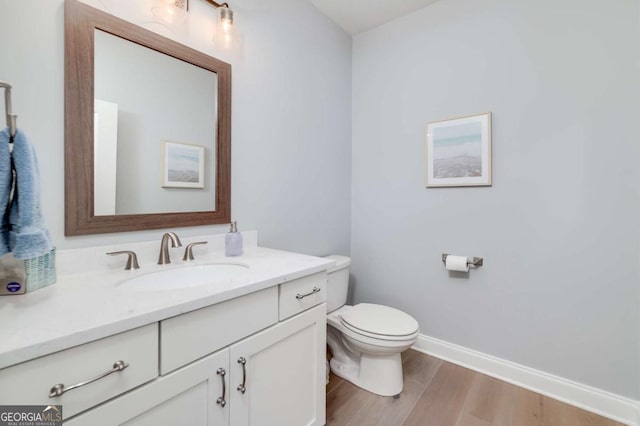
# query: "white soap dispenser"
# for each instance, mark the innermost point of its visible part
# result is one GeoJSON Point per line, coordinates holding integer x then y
{"type": "Point", "coordinates": [233, 241]}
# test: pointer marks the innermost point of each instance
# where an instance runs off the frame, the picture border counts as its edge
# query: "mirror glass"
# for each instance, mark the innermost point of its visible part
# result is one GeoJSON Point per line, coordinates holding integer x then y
{"type": "Point", "coordinates": [144, 99]}
{"type": "Point", "coordinates": [147, 128]}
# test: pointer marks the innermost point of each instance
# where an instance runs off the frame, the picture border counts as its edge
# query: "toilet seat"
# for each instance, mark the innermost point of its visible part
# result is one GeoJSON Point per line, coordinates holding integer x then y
{"type": "Point", "coordinates": [379, 322]}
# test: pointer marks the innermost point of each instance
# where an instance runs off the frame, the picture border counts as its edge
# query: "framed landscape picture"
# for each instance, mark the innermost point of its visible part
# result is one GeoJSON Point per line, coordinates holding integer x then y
{"type": "Point", "coordinates": [458, 152]}
{"type": "Point", "coordinates": [182, 165]}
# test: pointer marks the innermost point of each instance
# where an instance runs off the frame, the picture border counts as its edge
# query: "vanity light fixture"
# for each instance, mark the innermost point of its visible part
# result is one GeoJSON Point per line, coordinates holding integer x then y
{"type": "Point", "coordinates": [224, 34]}
{"type": "Point", "coordinates": [170, 11]}
{"type": "Point", "coordinates": [175, 12]}
{"type": "Point", "coordinates": [226, 14]}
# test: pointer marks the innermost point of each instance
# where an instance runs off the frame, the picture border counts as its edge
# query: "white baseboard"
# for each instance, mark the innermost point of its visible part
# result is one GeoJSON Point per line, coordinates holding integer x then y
{"type": "Point", "coordinates": [607, 404]}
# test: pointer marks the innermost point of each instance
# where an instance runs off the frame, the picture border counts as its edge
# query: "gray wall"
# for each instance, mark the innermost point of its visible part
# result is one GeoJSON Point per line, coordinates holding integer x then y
{"type": "Point", "coordinates": [559, 227]}
{"type": "Point", "coordinates": [291, 129]}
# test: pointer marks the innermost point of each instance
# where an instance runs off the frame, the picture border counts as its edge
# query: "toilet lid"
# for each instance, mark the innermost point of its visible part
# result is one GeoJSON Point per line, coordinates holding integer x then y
{"type": "Point", "coordinates": [380, 320]}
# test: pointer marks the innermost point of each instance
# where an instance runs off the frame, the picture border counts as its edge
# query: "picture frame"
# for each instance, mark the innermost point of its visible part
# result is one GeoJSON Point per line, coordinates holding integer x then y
{"type": "Point", "coordinates": [458, 152]}
{"type": "Point", "coordinates": [182, 165]}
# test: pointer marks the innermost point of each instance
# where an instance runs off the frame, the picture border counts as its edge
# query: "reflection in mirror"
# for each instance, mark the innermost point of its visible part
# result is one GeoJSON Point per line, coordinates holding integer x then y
{"type": "Point", "coordinates": [143, 98]}
{"type": "Point", "coordinates": [147, 128]}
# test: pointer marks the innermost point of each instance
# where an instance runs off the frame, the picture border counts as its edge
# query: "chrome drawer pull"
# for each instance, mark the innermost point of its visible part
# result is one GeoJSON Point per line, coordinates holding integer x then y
{"type": "Point", "coordinates": [221, 399]}
{"type": "Point", "coordinates": [241, 387]}
{"type": "Point", "coordinates": [312, 292]}
{"type": "Point", "coordinates": [59, 389]}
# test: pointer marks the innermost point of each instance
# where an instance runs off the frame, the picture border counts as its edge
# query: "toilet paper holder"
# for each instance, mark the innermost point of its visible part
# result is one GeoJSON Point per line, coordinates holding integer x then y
{"type": "Point", "coordinates": [471, 261]}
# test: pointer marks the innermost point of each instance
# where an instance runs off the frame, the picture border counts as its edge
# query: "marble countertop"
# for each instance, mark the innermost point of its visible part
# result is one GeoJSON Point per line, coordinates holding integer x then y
{"type": "Point", "coordinates": [90, 305]}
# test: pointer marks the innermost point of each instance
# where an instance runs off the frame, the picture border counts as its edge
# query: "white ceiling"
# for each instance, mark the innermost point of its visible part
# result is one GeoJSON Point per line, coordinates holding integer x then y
{"type": "Point", "coordinates": [356, 16]}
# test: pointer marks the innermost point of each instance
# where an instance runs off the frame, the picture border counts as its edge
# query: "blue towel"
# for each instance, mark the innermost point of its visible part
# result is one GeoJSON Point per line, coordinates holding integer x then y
{"type": "Point", "coordinates": [28, 238]}
{"type": "Point", "coordinates": [6, 180]}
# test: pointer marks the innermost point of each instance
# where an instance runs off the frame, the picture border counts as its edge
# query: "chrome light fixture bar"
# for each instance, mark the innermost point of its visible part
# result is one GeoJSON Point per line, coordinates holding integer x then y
{"type": "Point", "coordinates": [226, 14]}
{"type": "Point", "coordinates": [175, 11]}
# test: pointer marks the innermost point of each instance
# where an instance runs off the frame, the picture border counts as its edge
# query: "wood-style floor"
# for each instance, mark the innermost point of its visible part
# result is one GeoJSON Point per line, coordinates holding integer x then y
{"type": "Point", "coordinates": [439, 393]}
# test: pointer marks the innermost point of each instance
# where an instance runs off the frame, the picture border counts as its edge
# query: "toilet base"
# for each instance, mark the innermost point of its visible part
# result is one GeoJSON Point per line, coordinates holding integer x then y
{"type": "Point", "coordinates": [381, 375]}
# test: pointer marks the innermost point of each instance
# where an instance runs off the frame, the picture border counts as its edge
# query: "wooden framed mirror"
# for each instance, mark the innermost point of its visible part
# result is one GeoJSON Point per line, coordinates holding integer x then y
{"type": "Point", "coordinates": [147, 129]}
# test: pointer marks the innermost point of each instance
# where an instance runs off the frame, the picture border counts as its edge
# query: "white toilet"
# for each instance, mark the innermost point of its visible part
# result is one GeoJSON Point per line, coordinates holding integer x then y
{"type": "Point", "coordinates": [366, 340]}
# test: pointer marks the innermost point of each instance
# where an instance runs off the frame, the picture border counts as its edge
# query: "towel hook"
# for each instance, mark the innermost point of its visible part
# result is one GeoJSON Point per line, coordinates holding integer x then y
{"type": "Point", "coordinates": [11, 118]}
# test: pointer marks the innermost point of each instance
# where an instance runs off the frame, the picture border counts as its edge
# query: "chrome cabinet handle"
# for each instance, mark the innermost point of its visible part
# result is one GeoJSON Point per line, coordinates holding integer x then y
{"type": "Point", "coordinates": [221, 372]}
{"type": "Point", "coordinates": [59, 389]}
{"type": "Point", "coordinates": [241, 387]}
{"type": "Point", "coordinates": [302, 296]}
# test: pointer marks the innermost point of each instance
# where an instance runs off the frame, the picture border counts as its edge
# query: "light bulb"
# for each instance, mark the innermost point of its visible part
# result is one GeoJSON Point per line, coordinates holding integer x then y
{"type": "Point", "coordinates": [226, 19]}
{"type": "Point", "coordinates": [226, 36]}
{"type": "Point", "coordinates": [170, 11]}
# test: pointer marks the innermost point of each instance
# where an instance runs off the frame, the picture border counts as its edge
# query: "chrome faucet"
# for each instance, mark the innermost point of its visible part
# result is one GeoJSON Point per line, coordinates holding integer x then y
{"type": "Point", "coordinates": [164, 247]}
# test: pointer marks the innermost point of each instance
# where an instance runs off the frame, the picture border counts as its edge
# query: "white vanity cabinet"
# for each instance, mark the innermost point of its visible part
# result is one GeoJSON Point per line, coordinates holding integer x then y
{"type": "Point", "coordinates": [218, 369]}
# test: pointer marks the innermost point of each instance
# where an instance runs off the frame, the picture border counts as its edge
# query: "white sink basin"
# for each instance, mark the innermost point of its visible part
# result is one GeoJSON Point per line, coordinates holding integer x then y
{"type": "Point", "coordinates": [187, 277]}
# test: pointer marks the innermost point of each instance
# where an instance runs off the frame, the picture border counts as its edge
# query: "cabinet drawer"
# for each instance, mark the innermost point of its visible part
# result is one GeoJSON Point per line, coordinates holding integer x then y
{"type": "Point", "coordinates": [30, 382]}
{"type": "Point", "coordinates": [302, 294]}
{"type": "Point", "coordinates": [193, 335]}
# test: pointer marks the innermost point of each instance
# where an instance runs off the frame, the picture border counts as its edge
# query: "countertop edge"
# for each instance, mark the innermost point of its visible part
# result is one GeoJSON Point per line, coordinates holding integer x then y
{"type": "Point", "coordinates": [18, 355]}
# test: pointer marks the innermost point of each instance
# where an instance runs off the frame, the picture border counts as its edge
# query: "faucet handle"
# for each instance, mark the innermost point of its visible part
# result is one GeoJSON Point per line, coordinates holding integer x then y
{"type": "Point", "coordinates": [132, 260]}
{"type": "Point", "coordinates": [188, 252]}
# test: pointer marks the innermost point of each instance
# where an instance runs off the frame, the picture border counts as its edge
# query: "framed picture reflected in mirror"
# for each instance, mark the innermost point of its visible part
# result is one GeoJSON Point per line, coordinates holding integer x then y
{"type": "Point", "coordinates": [182, 165]}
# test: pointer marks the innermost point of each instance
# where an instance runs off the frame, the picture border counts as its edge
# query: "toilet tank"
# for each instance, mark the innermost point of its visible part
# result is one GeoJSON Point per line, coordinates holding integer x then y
{"type": "Point", "coordinates": [338, 282]}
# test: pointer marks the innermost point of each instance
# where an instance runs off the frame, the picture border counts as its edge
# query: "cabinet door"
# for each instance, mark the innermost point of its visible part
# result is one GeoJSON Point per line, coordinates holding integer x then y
{"type": "Point", "coordinates": [285, 373]}
{"type": "Point", "coordinates": [186, 397]}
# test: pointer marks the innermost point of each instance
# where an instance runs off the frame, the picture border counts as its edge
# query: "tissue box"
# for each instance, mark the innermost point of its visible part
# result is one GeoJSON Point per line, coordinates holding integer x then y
{"type": "Point", "coordinates": [22, 276]}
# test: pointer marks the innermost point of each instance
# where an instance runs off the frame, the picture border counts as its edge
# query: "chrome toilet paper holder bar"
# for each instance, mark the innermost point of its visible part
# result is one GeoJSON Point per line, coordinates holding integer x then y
{"type": "Point", "coordinates": [471, 261]}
